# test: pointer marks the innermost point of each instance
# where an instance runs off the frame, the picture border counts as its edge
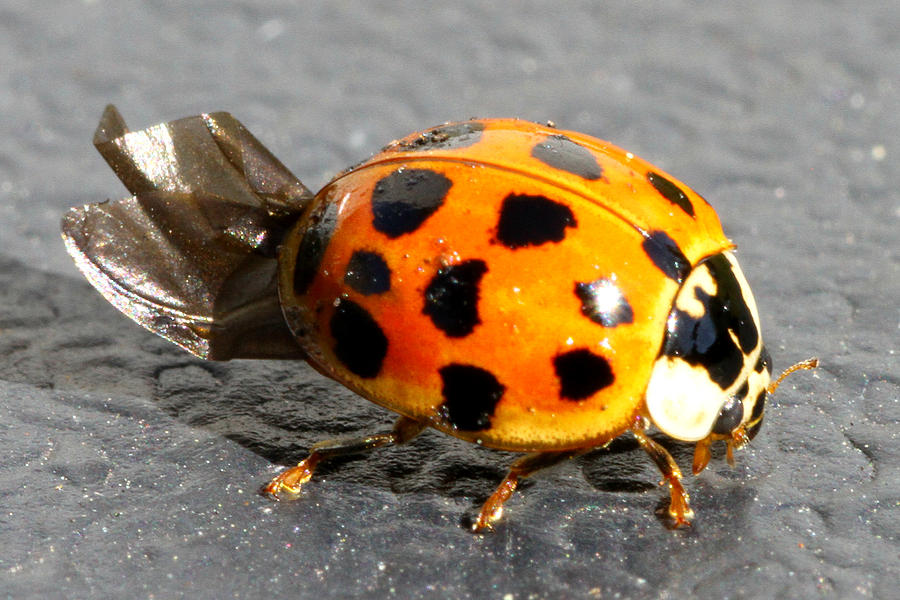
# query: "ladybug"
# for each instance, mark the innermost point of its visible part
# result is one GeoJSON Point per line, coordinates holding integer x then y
{"type": "Point", "coordinates": [504, 282]}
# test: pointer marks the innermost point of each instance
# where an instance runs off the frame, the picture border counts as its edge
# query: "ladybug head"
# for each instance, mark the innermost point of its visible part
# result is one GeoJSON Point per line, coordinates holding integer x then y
{"type": "Point", "coordinates": [710, 379]}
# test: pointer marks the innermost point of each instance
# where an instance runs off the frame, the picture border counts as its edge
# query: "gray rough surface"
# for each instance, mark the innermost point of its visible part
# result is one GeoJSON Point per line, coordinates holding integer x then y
{"type": "Point", "coordinates": [129, 469]}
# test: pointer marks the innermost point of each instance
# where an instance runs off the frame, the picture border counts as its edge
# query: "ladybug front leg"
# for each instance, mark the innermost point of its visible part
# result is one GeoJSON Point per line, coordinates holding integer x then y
{"type": "Point", "coordinates": [521, 468]}
{"type": "Point", "coordinates": [288, 482]}
{"type": "Point", "coordinates": [679, 508]}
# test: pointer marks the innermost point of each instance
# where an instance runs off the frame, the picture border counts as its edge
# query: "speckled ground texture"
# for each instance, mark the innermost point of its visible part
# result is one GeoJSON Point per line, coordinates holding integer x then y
{"type": "Point", "coordinates": [130, 469]}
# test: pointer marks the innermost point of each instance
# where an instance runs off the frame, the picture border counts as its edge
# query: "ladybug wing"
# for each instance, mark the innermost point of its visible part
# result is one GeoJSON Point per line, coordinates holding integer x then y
{"type": "Point", "coordinates": [191, 256]}
{"type": "Point", "coordinates": [210, 153]}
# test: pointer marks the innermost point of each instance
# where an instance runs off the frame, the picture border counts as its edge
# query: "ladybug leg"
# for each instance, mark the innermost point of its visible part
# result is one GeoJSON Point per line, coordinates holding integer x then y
{"type": "Point", "coordinates": [521, 468]}
{"type": "Point", "coordinates": [289, 481]}
{"type": "Point", "coordinates": [702, 454]}
{"type": "Point", "coordinates": [679, 508]}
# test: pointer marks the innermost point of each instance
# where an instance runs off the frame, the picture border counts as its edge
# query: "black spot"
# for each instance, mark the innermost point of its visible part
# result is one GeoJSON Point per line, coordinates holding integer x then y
{"type": "Point", "coordinates": [319, 228]}
{"type": "Point", "coordinates": [561, 153]}
{"type": "Point", "coordinates": [742, 391]}
{"type": "Point", "coordinates": [532, 220]}
{"type": "Point", "coordinates": [367, 273]}
{"type": "Point", "coordinates": [671, 192]}
{"type": "Point", "coordinates": [470, 396]}
{"type": "Point", "coordinates": [602, 302]}
{"type": "Point", "coordinates": [359, 342]}
{"type": "Point", "coordinates": [451, 298]}
{"type": "Point", "coordinates": [709, 341]}
{"type": "Point", "coordinates": [730, 416]}
{"type": "Point", "coordinates": [764, 362]}
{"type": "Point", "coordinates": [666, 255]}
{"type": "Point", "coordinates": [581, 374]}
{"type": "Point", "coordinates": [403, 200]}
{"type": "Point", "coordinates": [445, 137]}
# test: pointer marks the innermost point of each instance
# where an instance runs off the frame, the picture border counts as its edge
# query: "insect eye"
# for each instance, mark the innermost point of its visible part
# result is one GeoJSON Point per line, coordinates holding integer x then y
{"type": "Point", "coordinates": [730, 416]}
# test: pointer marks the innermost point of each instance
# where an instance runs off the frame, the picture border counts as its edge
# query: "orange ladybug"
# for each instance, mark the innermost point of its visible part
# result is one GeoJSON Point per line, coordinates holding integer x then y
{"type": "Point", "coordinates": [504, 282]}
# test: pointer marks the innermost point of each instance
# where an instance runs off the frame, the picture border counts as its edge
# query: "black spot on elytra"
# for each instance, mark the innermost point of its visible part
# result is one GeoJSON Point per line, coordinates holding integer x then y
{"type": "Point", "coordinates": [671, 192]}
{"type": "Point", "coordinates": [581, 374]}
{"type": "Point", "coordinates": [319, 229]}
{"type": "Point", "coordinates": [403, 200]}
{"type": "Point", "coordinates": [359, 342]}
{"type": "Point", "coordinates": [470, 396]}
{"type": "Point", "coordinates": [719, 339]}
{"type": "Point", "coordinates": [666, 255]}
{"type": "Point", "coordinates": [367, 273]}
{"type": "Point", "coordinates": [561, 153]}
{"type": "Point", "coordinates": [532, 221]}
{"type": "Point", "coordinates": [451, 298]}
{"type": "Point", "coordinates": [602, 302]}
{"type": "Point", "coordinates": [445, 137]}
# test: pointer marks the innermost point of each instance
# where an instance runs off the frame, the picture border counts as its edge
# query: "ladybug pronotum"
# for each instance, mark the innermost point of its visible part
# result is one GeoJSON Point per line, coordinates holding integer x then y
{"type": "Point", "coordinates": [507, 283]}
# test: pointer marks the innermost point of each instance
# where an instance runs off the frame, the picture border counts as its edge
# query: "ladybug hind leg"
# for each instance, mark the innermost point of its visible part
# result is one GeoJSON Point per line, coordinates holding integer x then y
{"type": "Point", "coordinates": [523, 467]}
{"type": "Point", "coordinates": [288, 483]}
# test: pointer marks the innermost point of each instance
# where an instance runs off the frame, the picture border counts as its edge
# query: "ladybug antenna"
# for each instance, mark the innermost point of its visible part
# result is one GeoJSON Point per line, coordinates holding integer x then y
{"type": "Point", "coordinates": [809, 363]}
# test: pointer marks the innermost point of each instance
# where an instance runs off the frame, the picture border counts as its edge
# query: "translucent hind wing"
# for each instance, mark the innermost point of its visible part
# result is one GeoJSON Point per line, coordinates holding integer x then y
{"type": "Point", "coordinates": [211, 153]}
{"type": "Point", "coordinates": [192, 255]}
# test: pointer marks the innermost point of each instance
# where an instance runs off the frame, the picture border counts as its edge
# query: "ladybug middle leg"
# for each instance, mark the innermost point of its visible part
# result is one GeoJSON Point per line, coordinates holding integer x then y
{"type": "Point", "coordinates": [523, 467]}
{"type": "Point", "coordinates": [288, 482]}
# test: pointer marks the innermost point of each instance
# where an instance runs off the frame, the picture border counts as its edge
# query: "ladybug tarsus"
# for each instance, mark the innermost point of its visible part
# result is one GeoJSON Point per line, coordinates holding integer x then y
{"type": "Point", "coordinates": [286, 485]}
{"type": "Point", "coordinates": [679, 507]}
{"type": "Point", "coordinates": [289, 481]}
{"type": "Point", "coordinates": [521, 468]}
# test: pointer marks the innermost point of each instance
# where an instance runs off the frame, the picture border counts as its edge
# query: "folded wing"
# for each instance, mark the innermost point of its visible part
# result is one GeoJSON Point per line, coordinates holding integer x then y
{"type": "Point", "coordinates": [191, 255]}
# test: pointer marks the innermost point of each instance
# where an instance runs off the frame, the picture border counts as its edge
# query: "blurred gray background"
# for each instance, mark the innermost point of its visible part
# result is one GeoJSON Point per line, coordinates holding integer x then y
{"type": "Point", "coordinates": [130, 469]}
